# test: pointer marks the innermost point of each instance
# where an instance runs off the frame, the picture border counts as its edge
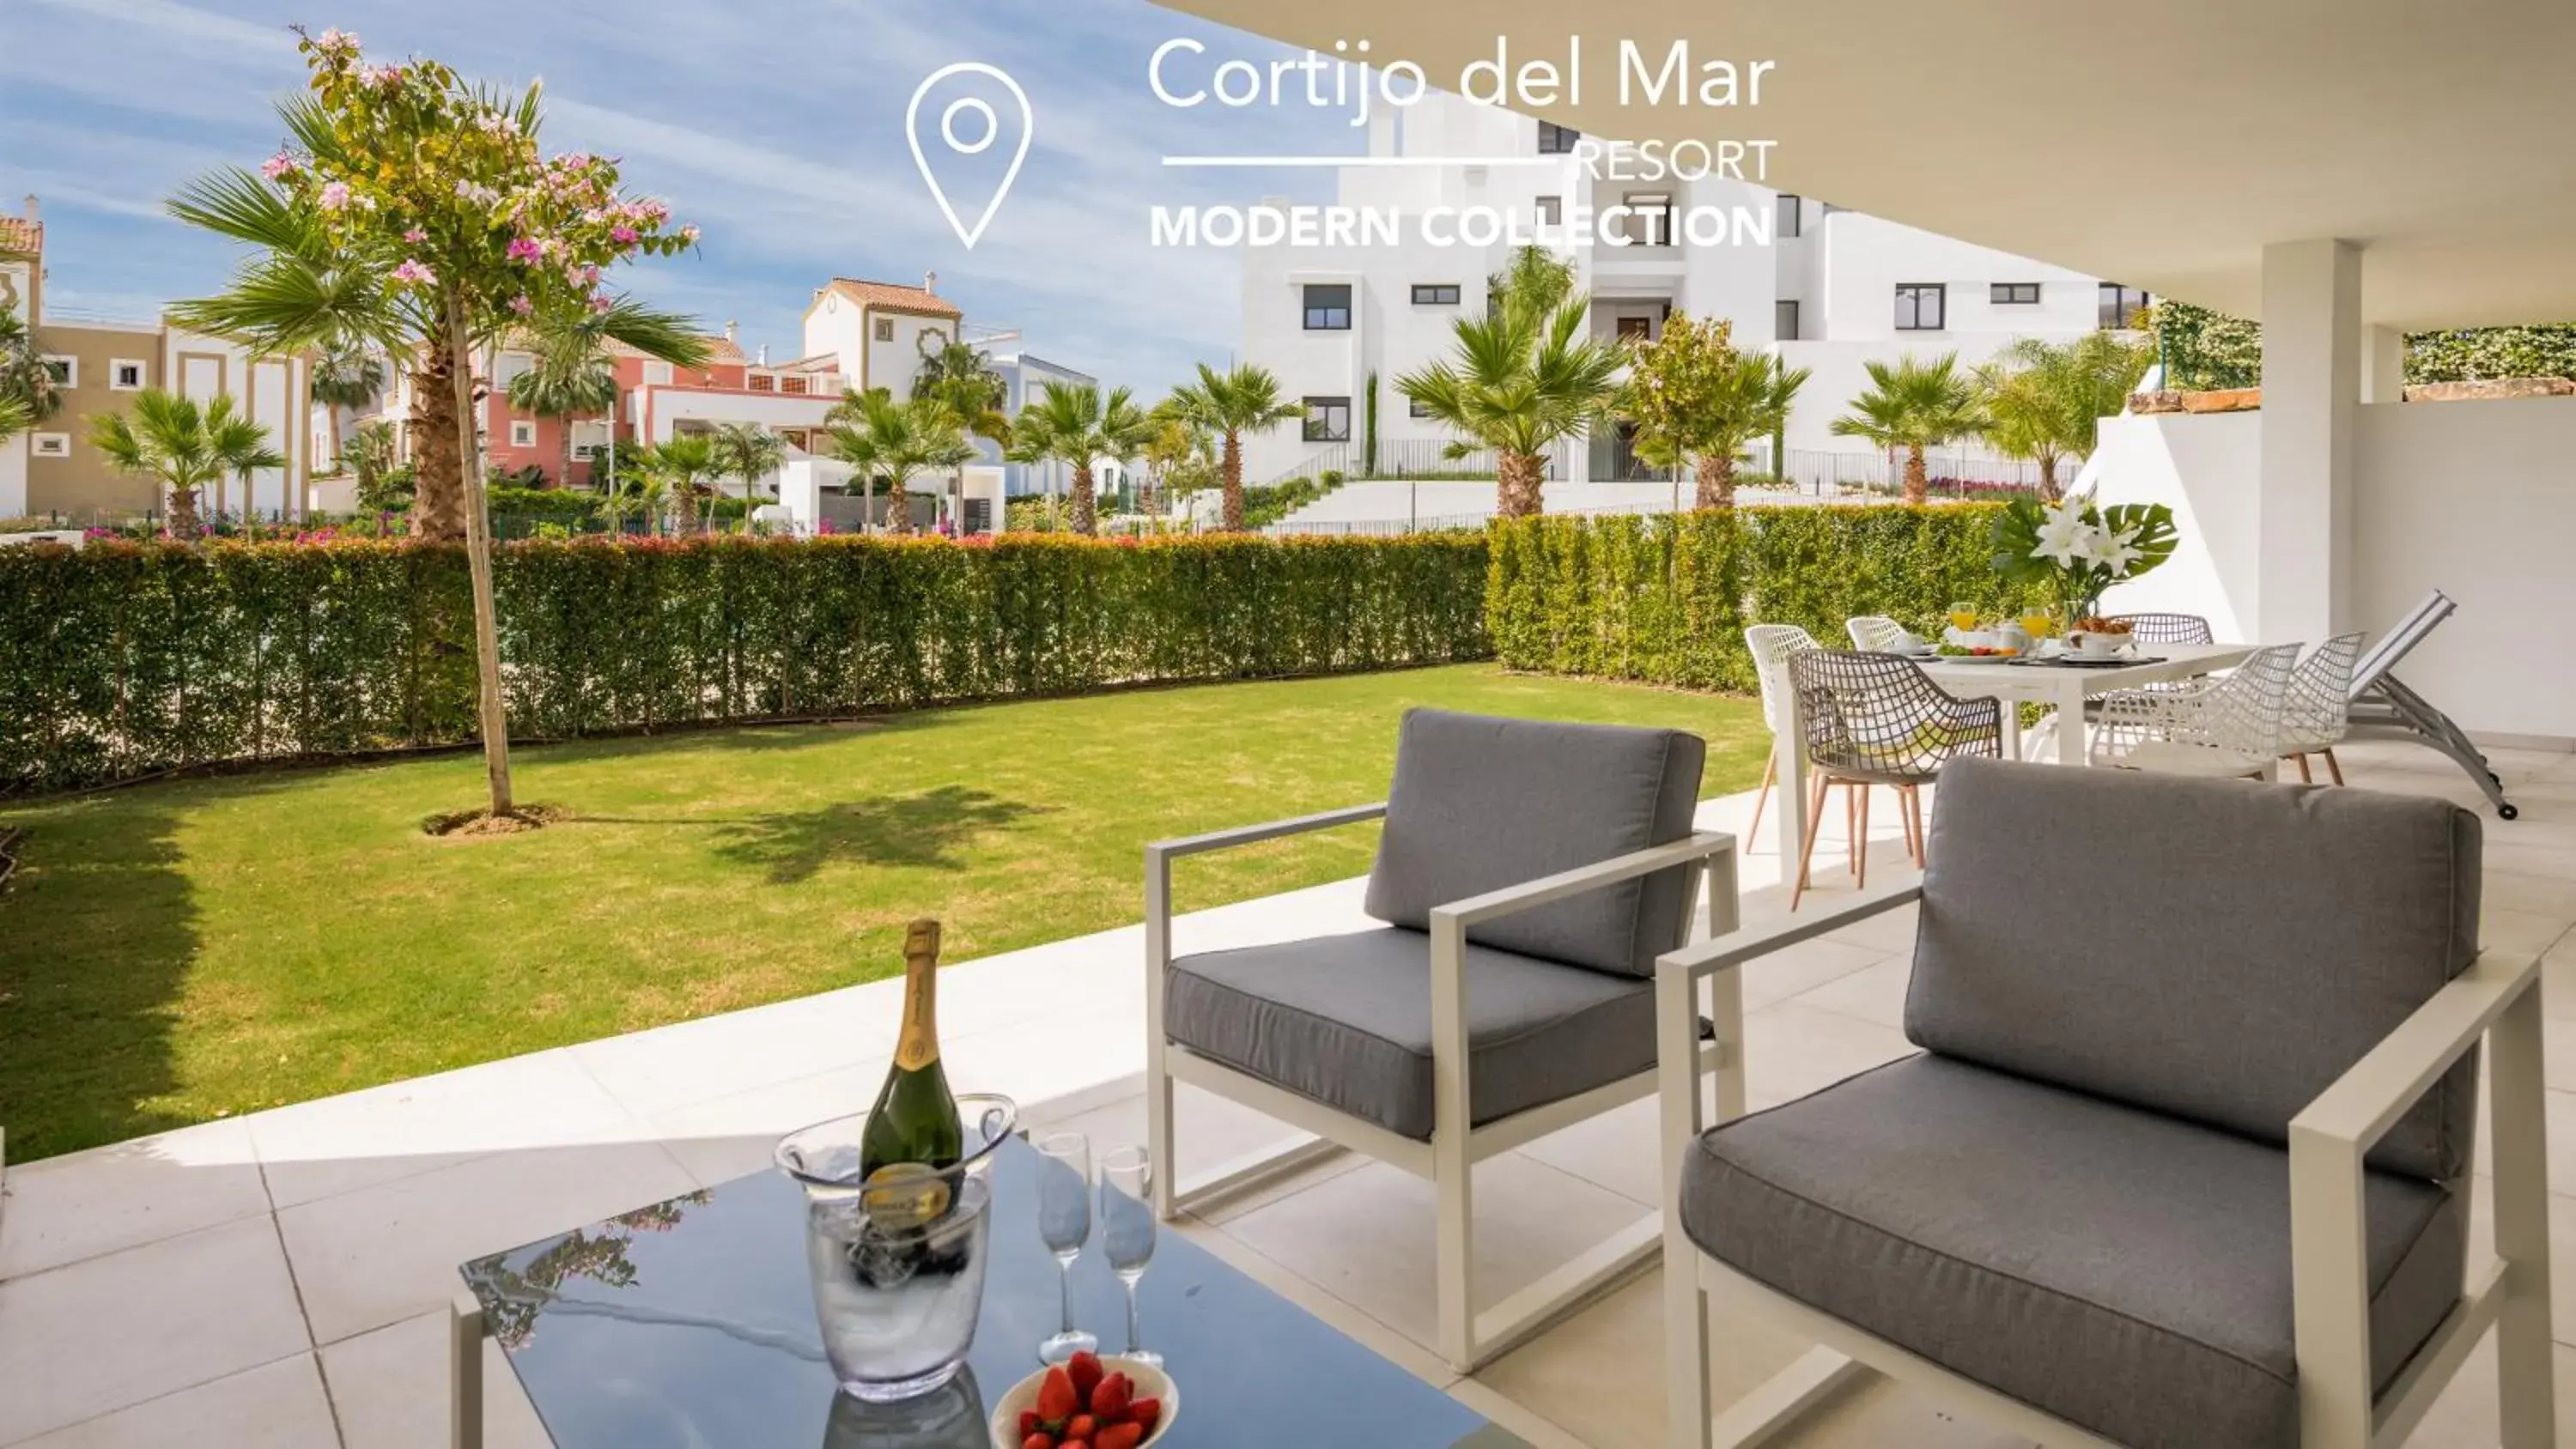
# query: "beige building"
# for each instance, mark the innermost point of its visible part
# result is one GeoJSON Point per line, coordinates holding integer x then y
{"type": "Point", "coordinates": [100, 364]}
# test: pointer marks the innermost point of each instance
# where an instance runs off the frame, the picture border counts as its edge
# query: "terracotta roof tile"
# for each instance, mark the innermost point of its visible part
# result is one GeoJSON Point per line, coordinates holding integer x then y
{"type": "Point", "coordinates": [890, 294]}
{"type": "Point", "coordinates": [720, 350]}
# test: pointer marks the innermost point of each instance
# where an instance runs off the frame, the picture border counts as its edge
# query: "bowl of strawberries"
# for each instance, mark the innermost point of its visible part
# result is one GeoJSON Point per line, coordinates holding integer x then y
{"type": "Point", "coordinates": [1087, 1401]}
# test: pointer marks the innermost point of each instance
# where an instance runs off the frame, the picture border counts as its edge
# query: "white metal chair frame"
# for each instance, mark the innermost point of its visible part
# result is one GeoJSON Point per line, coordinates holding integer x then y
{"type": "Point", "coordinates": [1875, 634]}
{"type": "Point", "coordinates": [1771, 645]}
{"type": "Point", "coordinates": [2497, 1000]}
{"type": "Point", "coordinates": [1468, 1338]}
{"type": "Point", "coordinates": [2318, 712]}
{"type": "Point", "coordinates": [2237, 718]}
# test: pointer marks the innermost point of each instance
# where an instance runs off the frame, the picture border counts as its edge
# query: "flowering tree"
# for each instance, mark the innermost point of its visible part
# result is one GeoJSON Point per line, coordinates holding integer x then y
{"type": "Point", "coordinates": [1695, 397]}
{"type": "Point", "coordinates": [439, 189]}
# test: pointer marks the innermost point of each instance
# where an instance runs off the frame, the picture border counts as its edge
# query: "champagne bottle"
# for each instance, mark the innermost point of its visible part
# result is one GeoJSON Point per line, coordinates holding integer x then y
{"type": "Point", "coordinates": [914, 1124]}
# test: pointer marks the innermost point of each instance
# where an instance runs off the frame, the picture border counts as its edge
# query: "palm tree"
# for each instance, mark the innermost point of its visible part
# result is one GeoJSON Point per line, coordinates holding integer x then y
{"type": "Point", "coordinates": [1693, 397]}
{"type": "Point", "coordinates": [1242, 399]}
{"type": "Point", "coordinates": [15, 418]}
{"type": "Point", "coordinates": [185, 446]}
{"type": "Point", "coordinates": [1525, 377]}
{"type": "Point", "coordinates": [1076, 426]}
{"type": "Point", "coordinates": [571, 375]}
{"type": "Point", "coordinates": [1534, 277]}
{"type": "Point", "coordinates": [2045, 401]}
{"type": "Point", "coordinates": [685, 465]}
{"type": "Point", "coordinates": [25, 379]}
{"type": "Point", "coordinates": [749, 452]}
{"type": "Point", "coordinates": [898, 441]}
{"type": "Point", "coordinates": [960, 378]}
{"type": "Point", "coordinates": [1915, 405]}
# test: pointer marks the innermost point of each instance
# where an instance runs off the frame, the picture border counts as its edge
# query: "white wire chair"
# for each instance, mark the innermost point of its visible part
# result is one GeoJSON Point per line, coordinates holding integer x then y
{"type": "Point", "coordinates": [1876, 634]}
{"type": "Point", "coordinates": [2227, 726]}
{"type": "Point", "coordinates": [1878, 719]}
{"type": "Point", "coordinates": [2167, 628]}
{"type": "Point", "coordinates": [1771, 646]}
{"type": "Point", "coordinates": [2318, 713]}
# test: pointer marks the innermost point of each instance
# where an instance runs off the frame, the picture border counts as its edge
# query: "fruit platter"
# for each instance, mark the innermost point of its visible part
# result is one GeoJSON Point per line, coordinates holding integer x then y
{"type": "Point", "coordinates": [1087, 1401]}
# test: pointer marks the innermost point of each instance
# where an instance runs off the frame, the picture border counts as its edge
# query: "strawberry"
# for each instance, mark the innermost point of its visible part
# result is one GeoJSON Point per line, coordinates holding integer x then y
{"type": "Point", "coordinates": [1120, 1436]}
{"type": "Point", "coordinates": [1086, 1372]}
{"type": "Point", "coordinates": [1109, 1401]}
{"type": "Point", "coordinates": [1057, 1401]}
{"type": "Point", "coordinates": [1037, 1441]}
{"type": "Point", "coordinates": [1028, 1422]}
{"type": "Point", "coordinates": [1144, 1412]}
{"type": "Point", "coordinates": [1082, 1427]}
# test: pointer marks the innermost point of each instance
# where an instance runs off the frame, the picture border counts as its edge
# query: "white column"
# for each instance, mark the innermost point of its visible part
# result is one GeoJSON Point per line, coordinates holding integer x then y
{"type": "Point", "coordinates": [2311, 388]}
{"type": "Point", "coordinates": [2383, 364]}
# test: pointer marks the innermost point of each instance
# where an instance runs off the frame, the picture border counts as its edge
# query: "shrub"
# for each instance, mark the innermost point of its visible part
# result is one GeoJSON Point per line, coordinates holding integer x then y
{"type": "Point", "coordinates": [1665, 599]}
{"type": "Point", "coordinates": [123, 659]}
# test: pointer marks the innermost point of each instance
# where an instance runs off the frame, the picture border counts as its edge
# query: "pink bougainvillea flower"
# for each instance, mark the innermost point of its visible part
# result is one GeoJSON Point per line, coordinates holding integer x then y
{"type": "Point", "coordinates": [521, 305]}
{"type": "Point", "coordinates": [334, 196]}
{"type": "Point", "coordinates": [689, 234]}
{"type": "Point", "coordinates": [414, 273]}
{"type": "Point", "coordinates": [415, 236]}
{"type": "Point", "coordinates": [625, 236]}
{"type": "Point", "coordinates": [278, 165]}
{"type": "Point", "coordinates": [600, 302]}
{"type": "Point", "coordinates": [525, 249]}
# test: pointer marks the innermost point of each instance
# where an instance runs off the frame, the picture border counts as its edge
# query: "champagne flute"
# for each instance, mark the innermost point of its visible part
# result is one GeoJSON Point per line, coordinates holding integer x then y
{"type": "Point", "coordinates": [1064, 1221]}
{"type": "Point", "coordinates": [1127, 1229]}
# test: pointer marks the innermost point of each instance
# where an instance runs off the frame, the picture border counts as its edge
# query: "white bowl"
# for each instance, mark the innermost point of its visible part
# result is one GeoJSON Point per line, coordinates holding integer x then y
{"type": "Point", "coordinates": [2100, 646]}
{"type": "Point", "coordinates": [1151, 1383]}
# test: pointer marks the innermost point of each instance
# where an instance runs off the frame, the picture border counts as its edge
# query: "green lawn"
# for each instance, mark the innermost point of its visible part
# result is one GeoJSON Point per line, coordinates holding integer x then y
{"type": "Point", "coordinates": [179, 952]}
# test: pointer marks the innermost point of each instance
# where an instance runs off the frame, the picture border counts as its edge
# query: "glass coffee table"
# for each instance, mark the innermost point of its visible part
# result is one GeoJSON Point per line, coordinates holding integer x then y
{"type": "Point", "coordinates": [691, 1322]}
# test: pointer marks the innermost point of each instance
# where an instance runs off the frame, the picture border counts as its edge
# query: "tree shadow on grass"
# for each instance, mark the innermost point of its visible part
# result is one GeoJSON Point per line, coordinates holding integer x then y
{"type": "Point", "coordinates": [98, 932]}
{"type": "Point", "coordinates": [921, 830]}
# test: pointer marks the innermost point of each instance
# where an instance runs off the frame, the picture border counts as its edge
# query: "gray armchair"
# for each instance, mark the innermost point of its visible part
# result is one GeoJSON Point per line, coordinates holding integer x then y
{"type": "Point", "coordinates": [1528, 877]}
{"type": "Point", "coordinates": [2185, 1160]}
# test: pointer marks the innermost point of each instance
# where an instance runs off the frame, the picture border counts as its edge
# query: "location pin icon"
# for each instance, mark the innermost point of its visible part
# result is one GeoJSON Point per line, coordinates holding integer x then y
{"type": "Point", "coordinates": [968, 126]}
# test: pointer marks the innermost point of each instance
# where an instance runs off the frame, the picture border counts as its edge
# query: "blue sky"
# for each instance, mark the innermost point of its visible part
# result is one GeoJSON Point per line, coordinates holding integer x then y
{"type": "Point", "coordinates": [778, 127]}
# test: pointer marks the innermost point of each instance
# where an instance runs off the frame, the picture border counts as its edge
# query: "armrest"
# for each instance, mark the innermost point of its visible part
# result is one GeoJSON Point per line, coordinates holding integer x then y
{"type": "Point", "coordinates": [2368, 1099]}
{"type": "Point", "coordinates": [1547, 890]}
{"type": "Point", "coordinates": [1179, 846]}
{"type": "Point", "coordinates": [1725, 953]}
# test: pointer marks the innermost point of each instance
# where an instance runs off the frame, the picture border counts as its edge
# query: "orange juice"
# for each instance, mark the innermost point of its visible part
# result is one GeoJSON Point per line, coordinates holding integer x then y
{"type": "Point", "coordinates": [2036, 623]}
{"type": "Point", "coordinates": [1963, 617]}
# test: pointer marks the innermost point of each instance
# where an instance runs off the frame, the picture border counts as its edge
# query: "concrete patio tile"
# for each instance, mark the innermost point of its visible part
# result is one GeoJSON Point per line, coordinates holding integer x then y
{"type": "Point", "coordinates": [390, 1387]}
{"type": "Point", "coordinates": [368, 1258]}
{"type": "Point", "coordinates": [1599, 1374]}
{"type": "Point", "coordinates": [2560, 1121]}
{"type": "Point", "coordinates": [64, 1209]}
{"type": "Point", "coordinates": [357, 1140]}
{"type": "Point", "coordinates": [2466, 1412]}
{"type": "Point", "coordinates": [107, 1333]}
{"type": "Point", "coordinates": [1803, 967]}
{"type": "Point", "coordinates": [718, 1056]}
{"type": "Point", "coordinates": [1366, 1236]}
{"type": "Point", "coordinates": [2524, 932]}
{"type": "Point", "coordinates": [2504, 853]}
{"type": "Point", "coordinates": [729, 1137]}
{"type": "Point", "coordinates": [1209, 1132]}
{"type": "Point", "coordinates": [2539, 894]}
{"type": "Point", "coordinates": [275, 1406]}
{"type": "Point", "coordinates": [1618, 1150]}
{"type": "Point", "coordinates": [1368, 1332]}
{"type": "Point", "coordinates": [1888, 932]}
{"type": "Point", "coordinates": [1046, 1059]}
{"type": "Point", "coordinates": [2562, 1252]}
{"type": "Point", "coordinates": [1874, 994]}
{"type": "Point", "coordinates": [1792, 1050]}
{"type": "Point", "coordinates": [1884, 1415]}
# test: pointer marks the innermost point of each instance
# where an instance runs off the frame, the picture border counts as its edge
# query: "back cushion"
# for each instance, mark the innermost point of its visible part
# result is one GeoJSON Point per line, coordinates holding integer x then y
{"type": "Point", "coordinates": [2220, 951]}
{"type": "Point", "coordinates": [1481, 803]}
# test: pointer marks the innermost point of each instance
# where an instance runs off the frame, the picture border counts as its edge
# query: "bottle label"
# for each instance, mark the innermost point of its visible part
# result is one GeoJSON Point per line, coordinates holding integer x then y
{"type": "Point", "coordinates": [903, 1197]}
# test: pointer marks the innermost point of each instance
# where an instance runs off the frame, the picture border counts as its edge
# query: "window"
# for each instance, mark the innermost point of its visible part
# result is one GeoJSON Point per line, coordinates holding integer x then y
{"type": "Point", "coordinates": [1551, 211]}
{"type": "Point", "coordinates": [658, 373]}
{"type": "Point", "coordinates": [1556, 140]}
{"type": "Point", "coordinates": [1649, 219]}
{"type": "Point", "coordinates": [1784, 320]}
{"type": "Point", "coordinates": [589, 439]}
{"type": "Point", "coordinates": [1788, 215]}
{"type": "Point", "coordinates": [523, 433]}
{"type": "Point", "coordinates": [2013, 294]}
{"type": "Point", "coordinates": [1328, 420]}
{"type": "Point", "coordinates": [2121, 305]}
{"type": "Point", "coordinates": [1920, 305]}
{"type": "Point", "coordinates": [124, 374]}
{"type": "Point", "coordinates": [1328, 307]}
{"type": "Point", "coordinates": [792, 385]}
{"type": "Point", "coordinates": [66, 370]}
{"type": "Point", "coordinates": [1417, 408]}
{"type": "Point", "coordinates": [1636, 329]}
{"type": "Point", "coordinates": [51, 445]}
{"type": "Point", "coordinates": [1435, 294]}
{"type": "Point", "coordinates": [885, 329]}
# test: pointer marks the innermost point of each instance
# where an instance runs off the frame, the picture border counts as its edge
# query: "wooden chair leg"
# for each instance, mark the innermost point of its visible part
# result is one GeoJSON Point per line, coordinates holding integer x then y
{"type": "Point", "coordinates": [1770, 772]}
{"type": "Point", "coordinates": [2305, 778]}
{"type": "Point", "coordinates": [1860, 839]}
{"type": "Point", "coordinates": [1815, 822]}
{"type": "Point", "coordinates": [1911, 797]}
{"type": "Point", "coordinates": [2334, 767]}
{"type": "Point", "coordinates": [1851, 827]}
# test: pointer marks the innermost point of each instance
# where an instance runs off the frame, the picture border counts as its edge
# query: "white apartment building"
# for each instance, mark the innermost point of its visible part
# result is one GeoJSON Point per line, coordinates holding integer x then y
{"type": "Point", "coordinates": [1830, 289]}
{"type": "Point", "coordinates": [1025, 377]}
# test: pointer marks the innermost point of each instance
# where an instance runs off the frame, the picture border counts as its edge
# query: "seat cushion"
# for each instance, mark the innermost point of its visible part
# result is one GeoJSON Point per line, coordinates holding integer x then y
{"type": "Point", "coordinates": [1481, 803]}
{"type": "Point", "coordinates": [2127, 1272]}
{"type": "Point", "coordinates": [1346, 1020]}
{"type": "Point", "coordinates": [2217, 950]}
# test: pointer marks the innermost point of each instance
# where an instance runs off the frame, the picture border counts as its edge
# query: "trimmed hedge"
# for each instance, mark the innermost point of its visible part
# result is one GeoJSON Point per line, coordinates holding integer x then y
{"type": "Point", "coordinates": [121, 659]}
{"type": "Point", "coordinates": [1665, 599]}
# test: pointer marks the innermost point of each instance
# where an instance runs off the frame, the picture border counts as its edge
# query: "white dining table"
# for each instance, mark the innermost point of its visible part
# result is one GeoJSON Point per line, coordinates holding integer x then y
{"type": "Point", "coordinates": [2063, 686]}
